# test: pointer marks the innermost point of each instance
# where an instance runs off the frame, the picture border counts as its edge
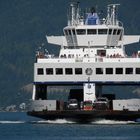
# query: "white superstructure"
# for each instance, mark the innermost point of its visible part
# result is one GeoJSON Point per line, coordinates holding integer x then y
{"type": "Point", "coordinates": [92, 51]}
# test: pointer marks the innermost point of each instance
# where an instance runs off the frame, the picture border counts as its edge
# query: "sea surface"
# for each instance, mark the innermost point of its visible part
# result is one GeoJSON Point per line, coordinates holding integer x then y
{"type": "Point", "coordinates": [19, 126]}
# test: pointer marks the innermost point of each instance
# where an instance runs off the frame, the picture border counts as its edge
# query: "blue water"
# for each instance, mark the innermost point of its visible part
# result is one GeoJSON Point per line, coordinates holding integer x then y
{"type": "Point", "coordinates": [19, 126]}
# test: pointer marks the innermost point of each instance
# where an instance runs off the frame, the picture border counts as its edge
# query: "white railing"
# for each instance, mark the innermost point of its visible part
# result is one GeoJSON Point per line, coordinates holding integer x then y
{"type": "Point", "coordinates": [53, 58]}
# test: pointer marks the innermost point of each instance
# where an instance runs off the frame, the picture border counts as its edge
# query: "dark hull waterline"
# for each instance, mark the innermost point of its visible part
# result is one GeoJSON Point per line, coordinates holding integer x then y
{"type": "Point", "coordinates": [87, 116]}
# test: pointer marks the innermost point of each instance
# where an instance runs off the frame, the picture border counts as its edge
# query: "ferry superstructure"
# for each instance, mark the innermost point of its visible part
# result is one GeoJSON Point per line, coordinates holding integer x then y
{"type": "Point", "coordinates": [92, 54]}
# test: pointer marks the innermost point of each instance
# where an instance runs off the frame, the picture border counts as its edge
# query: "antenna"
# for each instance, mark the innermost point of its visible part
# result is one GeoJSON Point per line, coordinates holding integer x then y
{"type": "Point", "coordinates": [112, 14]}
{"type": "Point", "coordinates": [73, 13]}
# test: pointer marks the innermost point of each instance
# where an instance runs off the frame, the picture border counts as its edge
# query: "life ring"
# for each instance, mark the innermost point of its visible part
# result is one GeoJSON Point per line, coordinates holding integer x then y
{"type": "Point", "coordinates": [89, 71]}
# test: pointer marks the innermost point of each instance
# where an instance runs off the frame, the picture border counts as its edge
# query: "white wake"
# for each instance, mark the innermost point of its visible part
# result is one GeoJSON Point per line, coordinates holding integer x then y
{"type": "Point", "coordinates": [108, 122]}
{"type": "Point", "coordinates": [11, 122]}
{"type": "Point", "coordinates": [64, 121]}
{"type": "Point", "coordinates": [58, 121]}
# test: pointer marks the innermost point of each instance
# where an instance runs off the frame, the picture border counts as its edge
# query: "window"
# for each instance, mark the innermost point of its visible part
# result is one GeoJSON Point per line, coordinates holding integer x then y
{"type": "Point", "coordinates": [102, 31]}
{"type": "Point", "coordinates": [73, 31]}
{"type": "Point", "coordinates": [101, 52]}
{"type": "Point", "coordinates": [121, 35]}
{"type": "Point", "coordinates": [78, 70]}
{"type": "Point", "coordinates": [114, 32]}
{"type": "Point", "coordinates": [119, 70]}
{"type": "Point", "coordinates": [59, 71]}
{"type": "Point", "coordinates": [49, 71]}
{"type": "Point", "coordinates": [109, 70]}
{"type": "Point", "coordinates": [81, 31]}
{"type": "Point", "coordinates": [40, 71]}
{"type": "Point", "coordinates": [91, 31]}
{"type": "Point", "coordinates": [68, 71]}
{"type": "Point", "coordinates": [66, 32]}
{"type": "Point", "coordinates": [137, 70]}
{"type": "Point", "coordinates": [129, 71]}
{"type": "Point", "coordinates": [69, 32]}
{"type": "Point", "coordinates": [118, 32]}
{"type": "Point", "coordinates": [99, 70]}
{"type": "Point", "coordinates": [110, 31]}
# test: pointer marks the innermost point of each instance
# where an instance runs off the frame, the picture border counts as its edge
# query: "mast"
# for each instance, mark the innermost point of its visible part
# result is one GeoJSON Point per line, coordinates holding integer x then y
{"type": "Point", "coordinates": [73, 14]}
{"type": "Point", "coordinates": [112, 14]}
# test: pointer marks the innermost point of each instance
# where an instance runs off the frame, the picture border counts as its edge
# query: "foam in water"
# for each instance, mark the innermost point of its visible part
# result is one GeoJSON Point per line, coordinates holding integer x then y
{"type": "Point", "coordinates": [11, 122]}
{"type": "Point", "coordinates": [58, 121]}
{"type": "Point", "coordinates": [64, 121]}
{"type": "Point", "coordinates": [103, 121]}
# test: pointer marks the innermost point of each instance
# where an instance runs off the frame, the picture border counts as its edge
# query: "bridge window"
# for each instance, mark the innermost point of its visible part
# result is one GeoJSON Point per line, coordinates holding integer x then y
{"type": "Point", "coordinates": [91, 31]}
{"type": "Point", "coordinates": [109, 70]}
{"type": "Point", "coordinates": [118, 32]}
{"type": "Point", "coordinates": [68, 71]}
{"type": "Point", "coordinates": [119, 70]}
{"type": "Point", "coordinates": [102, 31]}
{"type": "Point", "coordinates": [78, 70]}
{"type": "Point", "coordinates": [73, 31]}
{"type": "Point", "coordinates": [49, 71]}
{"type": "Point", "coordinates": [81, 31]}
{"type": "Point", "coordinates": [99, 70]}
{"type": "Point", "coordinates": [66, 32]}
{"type": "Point", "coordinates": [137, 70]}
{"type": "Point", "coordinates": [114, 32]}
{"type": "Point", "coordinates": [59, 71]}
{"type": "Point", "coordinates": [40, 71]}
{"type": "Point", "coordinates": [121, 35]}
{"type": "Point", "coordinates": [129, 71]}
{"type": "Point", "coordinates": [110, 31]}
{"type": "Point", "coordinates": [69, 31]}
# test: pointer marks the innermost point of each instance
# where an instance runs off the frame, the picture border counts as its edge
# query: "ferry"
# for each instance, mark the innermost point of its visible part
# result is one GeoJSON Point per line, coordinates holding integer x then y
{"type": "Point", "coordinates": [92, 55]}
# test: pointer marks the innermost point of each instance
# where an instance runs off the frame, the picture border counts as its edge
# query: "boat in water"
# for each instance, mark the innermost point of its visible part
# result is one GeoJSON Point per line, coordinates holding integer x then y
{"type": "Point", "coordinates": [92, 55]}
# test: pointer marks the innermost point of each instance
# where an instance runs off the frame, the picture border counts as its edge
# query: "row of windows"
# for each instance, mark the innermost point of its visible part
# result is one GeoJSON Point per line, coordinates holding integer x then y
{"type": "Point", "coordinates": [93, 31]}
{"type": "Point", "coordinates": [79, 71]}
{"type": "Point", "coordinates": [118, 71]}
{"type": "Point", "coordinates": [59, 71]}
